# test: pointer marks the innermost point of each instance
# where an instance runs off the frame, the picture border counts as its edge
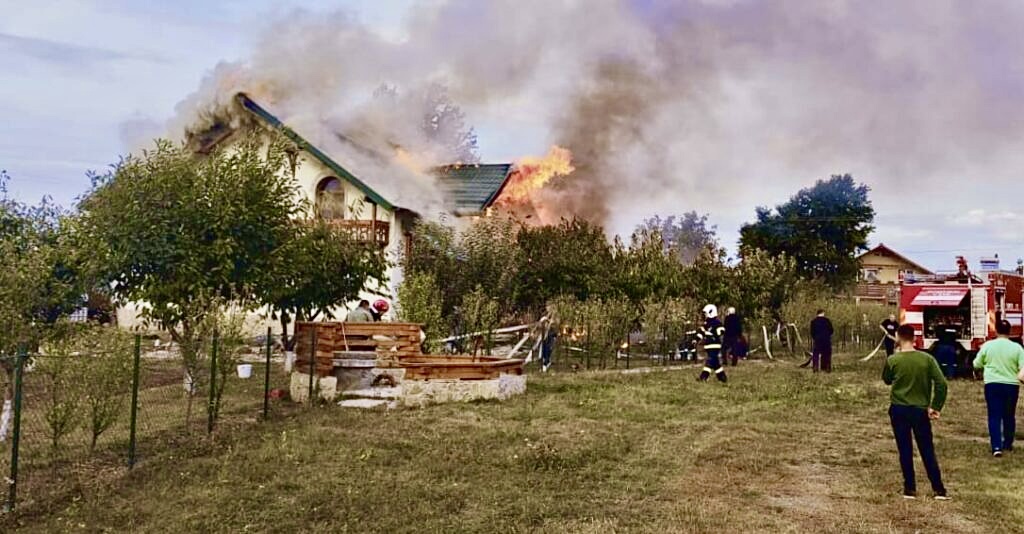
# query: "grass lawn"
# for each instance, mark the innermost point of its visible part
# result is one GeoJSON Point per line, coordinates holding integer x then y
{"type": "Point", "coordinates": [777, 450]}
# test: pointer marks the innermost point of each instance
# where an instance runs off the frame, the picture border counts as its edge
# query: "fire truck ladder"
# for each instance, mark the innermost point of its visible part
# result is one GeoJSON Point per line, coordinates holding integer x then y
{"type": "Point", "coordinates": [979, 312]}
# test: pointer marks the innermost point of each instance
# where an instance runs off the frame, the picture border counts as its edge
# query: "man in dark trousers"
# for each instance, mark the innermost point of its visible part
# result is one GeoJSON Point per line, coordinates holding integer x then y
{"type": "Point", "coordinates": [733, 331]}
{"type": "Point", "coordinates": [917, 396]}
{"type": "Point", "coordinates": [888, 328]}
{"type": "Point", "coordinates": [821, 335]}
{"type": "Point", "coordinates": [711, 334]}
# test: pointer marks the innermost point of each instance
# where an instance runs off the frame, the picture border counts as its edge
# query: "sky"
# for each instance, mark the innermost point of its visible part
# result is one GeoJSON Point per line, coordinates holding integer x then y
{"type": "Point", "coordinates": [83, 79]}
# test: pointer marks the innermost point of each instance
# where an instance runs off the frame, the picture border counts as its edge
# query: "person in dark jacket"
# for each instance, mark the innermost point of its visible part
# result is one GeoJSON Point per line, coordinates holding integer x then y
{"type": "Point", "coordinates": [733, 331]}
{"type": "Point", "coordinates": [945, 350]}
{"type": "Point", "coordinates": [889, 327]}
{"type": "Point", "coordinates": [821, 334]}
{"type": "Point", "coordinates": [711, 335]}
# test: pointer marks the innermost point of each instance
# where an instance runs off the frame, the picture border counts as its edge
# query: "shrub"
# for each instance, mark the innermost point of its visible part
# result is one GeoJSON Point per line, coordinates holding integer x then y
{"type": "Point", "coordinates": [419, 301]}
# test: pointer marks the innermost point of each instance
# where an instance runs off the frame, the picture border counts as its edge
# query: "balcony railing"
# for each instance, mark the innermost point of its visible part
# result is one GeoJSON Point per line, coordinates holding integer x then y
{"type": "Point", "coordinates": [883, 292]}
{"type": "Point", "coordinates": [365, 231]}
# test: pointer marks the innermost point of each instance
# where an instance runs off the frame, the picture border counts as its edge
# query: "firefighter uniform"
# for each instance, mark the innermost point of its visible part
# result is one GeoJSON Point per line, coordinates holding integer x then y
{"type": "Point", "coordinates": [711, 334]}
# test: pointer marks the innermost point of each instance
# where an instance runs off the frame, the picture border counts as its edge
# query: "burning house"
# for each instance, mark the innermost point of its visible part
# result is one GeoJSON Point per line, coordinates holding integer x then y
{"type": "Point", "coordinates": [343, 179]}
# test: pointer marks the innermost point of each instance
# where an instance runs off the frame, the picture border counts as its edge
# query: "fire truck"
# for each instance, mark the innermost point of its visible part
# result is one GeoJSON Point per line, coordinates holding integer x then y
{"type": "Point", "coordinates": [964, 306]}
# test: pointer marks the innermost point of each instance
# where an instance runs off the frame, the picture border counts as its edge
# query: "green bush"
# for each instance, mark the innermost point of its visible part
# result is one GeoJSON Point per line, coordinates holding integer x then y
{"type": "Point", "coordinates": [419, 301]}
{"type": "Point", "coordinates": [87, 371]}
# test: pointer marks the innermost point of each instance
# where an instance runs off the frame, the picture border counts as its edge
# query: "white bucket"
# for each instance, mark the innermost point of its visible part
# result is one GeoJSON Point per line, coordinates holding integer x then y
{"type": "Point", "coordinates": [244, 370]}
{"type": "Point", "coordinates": [190, 384]}
{"type": "Point", "coordinates": [289, 361]}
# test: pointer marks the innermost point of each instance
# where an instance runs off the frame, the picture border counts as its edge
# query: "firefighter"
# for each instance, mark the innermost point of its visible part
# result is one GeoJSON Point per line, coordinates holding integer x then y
{"type": "Point", "coordinates": [711, 334]}
{"type": "Point", "coordinates": [379, 308]}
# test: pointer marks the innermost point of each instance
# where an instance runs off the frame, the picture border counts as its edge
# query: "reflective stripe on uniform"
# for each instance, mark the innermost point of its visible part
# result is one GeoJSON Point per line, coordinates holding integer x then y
{"type": "Point", "coordinates": [713, 346]}
{"type": "Point", "coordinates": [720, 370]}
{"type": "Point", "coordinates": [708, 370]}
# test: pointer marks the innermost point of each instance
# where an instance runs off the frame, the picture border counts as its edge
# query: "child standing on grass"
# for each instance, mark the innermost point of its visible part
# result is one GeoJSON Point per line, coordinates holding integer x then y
{"type": "Point", "coordinates": [1003, 362]}
{"type": "Point", "coordinates": [917, 396]}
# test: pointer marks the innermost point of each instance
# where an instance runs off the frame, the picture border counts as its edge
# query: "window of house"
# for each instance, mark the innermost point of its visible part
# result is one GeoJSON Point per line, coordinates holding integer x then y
{"type": "Point", "coordinates": [330, 199]}
{"type": "Point", "coordinates": [870, 275]}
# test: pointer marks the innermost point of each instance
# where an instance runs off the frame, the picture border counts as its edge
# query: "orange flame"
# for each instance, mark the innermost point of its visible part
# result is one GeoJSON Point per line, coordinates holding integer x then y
{"type": "Point", "coordinates": [532, 174]}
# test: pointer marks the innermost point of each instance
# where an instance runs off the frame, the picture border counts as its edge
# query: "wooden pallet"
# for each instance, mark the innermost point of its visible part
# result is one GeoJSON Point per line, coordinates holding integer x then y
{"type": "Point", "coordinates": [391, 341]}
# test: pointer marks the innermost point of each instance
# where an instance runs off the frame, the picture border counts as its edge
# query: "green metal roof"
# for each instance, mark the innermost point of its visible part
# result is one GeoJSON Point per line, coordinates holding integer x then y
{"type": "Point", "coordinates": [340, 171]}
{"type": "Point", "coordinates": [473, 187]}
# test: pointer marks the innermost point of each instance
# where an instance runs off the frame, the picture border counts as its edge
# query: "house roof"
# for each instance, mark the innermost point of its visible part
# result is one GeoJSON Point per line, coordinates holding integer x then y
{"type": "Point", "coordinates": [323, 158]}
{"type": "Point", "coordinates": [473, 188]}
{"type": "Point", "coordinates": [884, 250]}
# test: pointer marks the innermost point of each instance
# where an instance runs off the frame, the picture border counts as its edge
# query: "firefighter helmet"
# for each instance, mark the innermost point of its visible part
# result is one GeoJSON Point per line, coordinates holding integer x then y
{"type": "Point", "coordinates": [710, 311]}
{"type": "Point", "coordinates": [381, 306]}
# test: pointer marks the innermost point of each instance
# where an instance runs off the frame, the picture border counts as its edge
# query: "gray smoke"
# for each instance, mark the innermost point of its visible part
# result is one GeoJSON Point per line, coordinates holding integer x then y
{"type": "Point", "coordinates": [667, 105]}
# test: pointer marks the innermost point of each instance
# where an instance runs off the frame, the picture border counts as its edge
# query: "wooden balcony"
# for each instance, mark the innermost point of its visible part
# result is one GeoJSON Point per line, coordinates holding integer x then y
{"type": "Point", "coordinates": [365, 231]}
{"type": "Point", "coordinates": [881, 293]}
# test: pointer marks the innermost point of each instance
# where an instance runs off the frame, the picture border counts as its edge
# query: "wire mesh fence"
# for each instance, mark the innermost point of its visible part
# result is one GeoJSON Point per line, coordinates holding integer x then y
{"type": "Point", "coordinates": [644, 349]}
{"type": "Point", "coordinates": [70, 421]}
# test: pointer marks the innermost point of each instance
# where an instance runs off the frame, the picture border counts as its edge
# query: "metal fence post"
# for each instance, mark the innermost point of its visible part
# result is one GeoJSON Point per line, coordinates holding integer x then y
{"type": "Point", "coordinates": [266, 379]}
{"type": "Point", "coordinates": [629, 347]}
{"type": "Point", "coordinates": [312, 362]}
{"type": "Point", "coordinates": [135, 401]}
{"type": "Point", "coordinates": [19, 370]}
{"type": "Point", "coordinates": [211, 409]}
{"type": "Point", "coordinates": [589, 331]}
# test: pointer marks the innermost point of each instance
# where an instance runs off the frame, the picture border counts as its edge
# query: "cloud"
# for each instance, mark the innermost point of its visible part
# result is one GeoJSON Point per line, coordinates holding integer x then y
{"type": "Point", "coordinates": [66, 54]}
{"type": "Point", "coordinates": [982, 217]}
{"type": "Point", "coordinates": [1001, 225]}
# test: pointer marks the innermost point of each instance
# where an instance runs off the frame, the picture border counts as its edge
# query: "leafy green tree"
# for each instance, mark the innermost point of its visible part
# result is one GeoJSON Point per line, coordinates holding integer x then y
{"type": "Point", "coordinates": [40, 280]}
{"type": "Point", "coordinates": [765, 282]}
{"type": "Point", "coordinates": [821, 227]}
{"type": "Point", "coordinates": [105, 372]}
{"type": "Point", "coordinates": [419, 301]}
{"type": "Point", "coordinates": [647, 269]}
{"type": "Point", "coordinates": [434, 250]}
{"type": "Point", "coordinates": [683, 236]}
{"type": "Point", "coordinates": [484, 254]}
{"type": "Point", "coordinates": [317, 270]}
{"type": "Point", "coordinates": [480, 313]}
{"type": "Point", "coordinates": [710, 280]}
{"type": "Point", "coordinates": [571, 258]}
{"type": "Point", "coordinates": [184, 235]}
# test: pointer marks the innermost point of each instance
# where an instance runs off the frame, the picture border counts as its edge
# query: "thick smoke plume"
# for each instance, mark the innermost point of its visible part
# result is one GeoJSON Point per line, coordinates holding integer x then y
{"type": "Point", "coordinates": [666, 105]}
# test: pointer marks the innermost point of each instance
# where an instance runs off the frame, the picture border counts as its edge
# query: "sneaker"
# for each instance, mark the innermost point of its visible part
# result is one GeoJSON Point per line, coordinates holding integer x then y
{"type": "Point", "coordinates": [909, 494]}
{"type": "Point", "coordinates": [942, 497]}
{"type": "Point", "coordinates": [997, 453]}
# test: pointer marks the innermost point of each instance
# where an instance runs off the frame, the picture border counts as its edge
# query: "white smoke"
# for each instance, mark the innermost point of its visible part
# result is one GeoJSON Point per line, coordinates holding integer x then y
{"type": "Point", "coordinates": [667, 105]}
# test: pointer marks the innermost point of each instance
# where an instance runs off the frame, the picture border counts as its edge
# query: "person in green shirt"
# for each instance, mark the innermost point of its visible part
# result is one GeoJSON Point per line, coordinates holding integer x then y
{"type": "Point", "coordinates": [1003, 362]}
{"type": "Point", "coordinates": [917, 396]}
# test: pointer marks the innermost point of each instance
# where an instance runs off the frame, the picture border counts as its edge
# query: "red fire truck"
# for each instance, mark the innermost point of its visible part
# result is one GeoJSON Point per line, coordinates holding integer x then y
{"type": "Point", "coordinates": [964, 304]}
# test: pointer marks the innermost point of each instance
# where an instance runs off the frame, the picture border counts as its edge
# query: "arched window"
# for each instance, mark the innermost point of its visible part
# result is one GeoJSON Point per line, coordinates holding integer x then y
{"type": "Point", "coordinates": [330, 199]}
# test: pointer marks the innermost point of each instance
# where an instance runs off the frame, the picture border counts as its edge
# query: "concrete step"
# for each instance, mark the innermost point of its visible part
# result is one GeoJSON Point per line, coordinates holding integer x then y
{"type": "Point", "coordinates": [389, 393]}
{"type": "Point", "coordinates": [368, 403]}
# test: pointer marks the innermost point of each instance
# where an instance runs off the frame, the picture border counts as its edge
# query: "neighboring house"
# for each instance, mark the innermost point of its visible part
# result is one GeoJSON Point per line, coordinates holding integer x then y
{"type": "Point", "coordinates": [881, 270]}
